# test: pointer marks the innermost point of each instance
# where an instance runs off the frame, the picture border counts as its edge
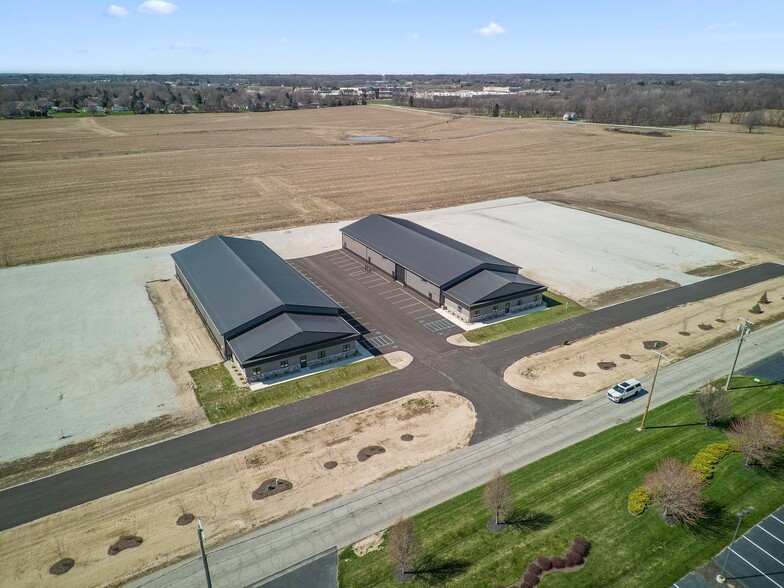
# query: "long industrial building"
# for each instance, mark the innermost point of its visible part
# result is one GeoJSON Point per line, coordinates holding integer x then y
{"type": "Point", "coordinates": [260, 311]}
{"type": "Point", "coordinates": [469, 283]}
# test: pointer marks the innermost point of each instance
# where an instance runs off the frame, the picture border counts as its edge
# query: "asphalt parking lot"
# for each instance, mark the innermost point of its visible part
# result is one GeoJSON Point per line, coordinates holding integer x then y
{"type": "Point", "coordinates": [754, 560]}
{"type": "Point", "coordinates": [389, 315]}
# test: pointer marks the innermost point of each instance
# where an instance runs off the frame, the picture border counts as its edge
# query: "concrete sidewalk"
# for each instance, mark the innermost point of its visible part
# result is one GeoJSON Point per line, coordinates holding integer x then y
{"type": "Point", "coordinates": [343, 521]}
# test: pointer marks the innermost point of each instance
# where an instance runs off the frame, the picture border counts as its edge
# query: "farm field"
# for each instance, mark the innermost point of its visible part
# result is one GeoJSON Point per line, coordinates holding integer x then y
{"type": "Point", "coordinates": [74, 187]}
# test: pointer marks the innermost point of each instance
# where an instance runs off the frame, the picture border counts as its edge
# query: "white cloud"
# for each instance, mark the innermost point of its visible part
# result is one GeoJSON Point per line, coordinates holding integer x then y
{"type": "Point", "coordinates": [732, 25]}
{"type": "Point", "coordinates": [716, 26]}
{"type": "Point", "coordinates": [491, 30]}
{"type": "Point", "coordinates": [412, 37]}
{"type": "Point", "coordinates": [157, 7]}
{"type": "Point", "coordinates": [117, 11]}
{"type": "Point", "coordinates": [713, 27]}
{"type": "Point", "coordinates": [187, 47]}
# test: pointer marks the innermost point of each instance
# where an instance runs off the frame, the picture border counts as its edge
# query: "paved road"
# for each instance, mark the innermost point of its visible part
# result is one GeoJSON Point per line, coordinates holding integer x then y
{"type": "Point", "coordinates": [345, 520]}
{"type": "Point", "coordinates": [474, 372]}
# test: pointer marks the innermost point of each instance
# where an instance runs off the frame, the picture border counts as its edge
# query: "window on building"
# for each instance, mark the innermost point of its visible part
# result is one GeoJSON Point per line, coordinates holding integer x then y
{"type": "Point", "coordinates": [346, 347]}
{"type": "Point", "coordinates": [495, 308]}
{"type": "Point", "coordinates": [256, 371]}
{"type": "Point", "coordinates": [476, 313]}
{"type": "Point", "coordinates": [321, 354]}
{"type": "Point", "coordinates": [460, 308]}
{"type": "Point", "coordinates": [519, 302]}
{"type": "Point", "coordinates": [536, 297]}
{"type": "Point", "coordinates": [284, 363]}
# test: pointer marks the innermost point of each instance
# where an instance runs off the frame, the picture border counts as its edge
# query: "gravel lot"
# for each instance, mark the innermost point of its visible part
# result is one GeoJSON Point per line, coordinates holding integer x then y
{"type": "Point", "coordinates": [84, 350]}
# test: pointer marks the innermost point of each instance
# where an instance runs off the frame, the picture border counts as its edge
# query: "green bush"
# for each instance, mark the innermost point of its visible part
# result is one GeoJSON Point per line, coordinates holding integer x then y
{"type": "Point", "coordinates": [764, 298]}
{"type": "Point", "coordinates": [755, 309]}
{"type": "Point", "coordinates": [704, 463]}
{"type": "Point", "coordinates": [639, 499]}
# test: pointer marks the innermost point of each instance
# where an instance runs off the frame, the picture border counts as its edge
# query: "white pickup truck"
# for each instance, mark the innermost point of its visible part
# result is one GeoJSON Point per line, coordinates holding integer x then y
{"type": "Point", "coordinates": [625, 389]}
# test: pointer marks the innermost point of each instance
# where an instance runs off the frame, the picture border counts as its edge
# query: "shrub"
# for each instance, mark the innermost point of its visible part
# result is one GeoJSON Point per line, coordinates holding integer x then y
{"type": "Point", "coordinates": [573, 559]}
{"type": "Point", "coordinates": [764, 298]}
{"type": "Point", "coordinates": [530, 579]}
{"type": "Point", "coordinates": [558, 562]}
{"type": "Point", "coordinates": [544, 563]}
{"type": "Point", "coordinates": [704, 463]}
{"type": "Point", "coordinates": [755, 309]}
{"type": "Point", "coordinates": [639, 499]}
{"type": "Point", "coordinates": [675, 490]}
{"type": "Point", "coordinates": [534, 569]}
{"type": "Point", "coordinates": [581, 546]}
{"type": "Point", "coordinates": [757, 437]}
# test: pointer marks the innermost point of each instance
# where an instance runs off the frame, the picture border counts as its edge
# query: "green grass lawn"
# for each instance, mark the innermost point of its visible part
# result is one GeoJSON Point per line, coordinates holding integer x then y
{"type": "Point", "coordinates": [222, 400]}
{"type": "Point", "coordinates": [583, 490]}
{"type": "Point", "coordinates": [556, 311]}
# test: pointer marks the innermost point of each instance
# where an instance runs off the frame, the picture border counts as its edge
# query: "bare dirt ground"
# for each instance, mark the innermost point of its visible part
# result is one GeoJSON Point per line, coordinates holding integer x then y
{"type": "Point", "coordinates": [631, 291]}
{"type": "Point", "coordinates": [73, 187]}
{"type": "Point", "coordinates": [188, 340]}
{"type": "Point", "coordinates": [552, 373]}
{"type": "Point", "coordinates": [220, 492]}
{"type": "Point", "coordinates": [738, 207]}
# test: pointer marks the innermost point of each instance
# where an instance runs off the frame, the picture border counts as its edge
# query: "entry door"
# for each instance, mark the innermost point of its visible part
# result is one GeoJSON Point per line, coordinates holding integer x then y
{"type": "Point", "coordinates": [506, 308]}
{"type": "Point", "coordinates": [400, 273]}
{"type": "Point", "coordinates": [303, 361]}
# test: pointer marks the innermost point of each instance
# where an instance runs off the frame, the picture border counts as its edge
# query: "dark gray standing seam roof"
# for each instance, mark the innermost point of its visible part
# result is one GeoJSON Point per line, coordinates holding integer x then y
{"type": "Point", "coordinates": [288, 332]}
{"type": "Point", "coordinates": [489, 285]}
{"type": "Point", "coordinates": [433, 256]}
{"type": "Point", "coordinates": [239, 280]}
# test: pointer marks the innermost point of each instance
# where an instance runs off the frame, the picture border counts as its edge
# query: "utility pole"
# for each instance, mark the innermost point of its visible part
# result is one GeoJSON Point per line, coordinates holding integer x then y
{"type": "Point", "coordinates": [653, 383]}
{"type": "Point", "coordinates": [200, 531]}
{"type": "Point", "coordinates": [744, 329]}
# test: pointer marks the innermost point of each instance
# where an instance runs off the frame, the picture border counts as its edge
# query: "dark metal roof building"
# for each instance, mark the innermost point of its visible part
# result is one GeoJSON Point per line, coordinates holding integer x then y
{"type": "Point", "coordinates": [257, 306]}
{"type": "Point", "coordinates": [433, 256]}
{"type": "Point", "coordinates": [489, 286]}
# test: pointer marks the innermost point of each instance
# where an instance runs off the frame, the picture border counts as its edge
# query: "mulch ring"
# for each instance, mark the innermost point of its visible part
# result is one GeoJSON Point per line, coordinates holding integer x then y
{"type": "Point", "coordinates": [62, 566]}
{"type": "Point", "coordinates": [185, 519]}
{"type": "Point", "coordinates": [654, 344]}
{"type": "Point", "coordinates": [573, 560]}
{"type": "Point", "coordinates": [407, 437]}
{"type": "Point", "coordinates": [367, 452]}
{"type": "Point", "coordinates": [125, 542]}
{"type": "Point", "coordinates": [330, 465]}
{"type": "Point", "coordinates": [579, 374]}
{"type": "Point", "coordinates": [625, 356]}
{"type": "Point", "coordinates": [721, 321]}
{"type": "Point", "coordinates": [704, 327]}
{"type": "Point", "coordinates": [270, 487]}
{"type": "Point", "coordinates": [684, 333]}
{"type": "Point", "coordinates": [606, 365]}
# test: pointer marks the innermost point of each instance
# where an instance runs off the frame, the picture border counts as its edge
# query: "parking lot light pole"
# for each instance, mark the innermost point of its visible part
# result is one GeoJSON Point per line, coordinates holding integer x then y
{"type": "Point", "coordinates": [720, 577]}
{"type": "Point", "coordinates": [650, 393]}
{"type": "Point", "coordinates": [200, 532]}
{"type": "Point", "coordinates": [744, 329]}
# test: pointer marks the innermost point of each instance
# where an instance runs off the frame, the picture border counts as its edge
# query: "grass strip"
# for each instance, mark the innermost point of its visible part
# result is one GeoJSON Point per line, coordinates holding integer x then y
{"type": "Point", "coordinates": [222, 400]}
{"type": "Point", "coordinates": [559, 308]}
{"type": "Point", "coordinates": [583, 490]}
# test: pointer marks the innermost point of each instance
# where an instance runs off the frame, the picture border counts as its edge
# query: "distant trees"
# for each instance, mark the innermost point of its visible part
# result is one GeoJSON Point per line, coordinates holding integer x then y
{"type": "Point", "coordinates": [713, 404]}
{"type": "Point", "coordinates": [758, 438]}
{"type": "Point", "coordinates": [754, 119]}
{"type": "Point", "coordinates": [496, 110]}
{"type": "Point", "coordinates": [497, 496]}
{"type": "Point", "coordinates": [403, 546]}
{"type": "Point", "coordinates": [675, 490]}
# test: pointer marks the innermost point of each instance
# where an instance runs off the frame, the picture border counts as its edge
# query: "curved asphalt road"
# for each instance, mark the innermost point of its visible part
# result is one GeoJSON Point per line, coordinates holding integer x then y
{"type": "Point", "coordinates": [475, 372]}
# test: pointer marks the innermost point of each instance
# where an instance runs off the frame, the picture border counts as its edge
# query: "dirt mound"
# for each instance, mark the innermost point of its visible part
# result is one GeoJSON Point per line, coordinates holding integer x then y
{"type": "Point", "coordinates": [625, 356]}
{"type": "Point", "coordinates": [654, 344]}
{"type": "Point", "coordinates": [62, 566]}
{"type": "Point", "coordinates": [684, 333]}
{"type": "Point", "coordinates": [126, 542]}
{"type": "Point", "coordinates": [330, 465]}
{"type": "Point", "coordinates": [579, 374]}
{"type": "Point", "coordinates": [606, 365]}
{"type": "Point", "coordinates": [185, 519]}
{"type": "Point", "coordinates": [270, 487]}
{"type": "Point", "coordinates": [367, 452]}
{"type": "Point", "coordinates": [703, 327]}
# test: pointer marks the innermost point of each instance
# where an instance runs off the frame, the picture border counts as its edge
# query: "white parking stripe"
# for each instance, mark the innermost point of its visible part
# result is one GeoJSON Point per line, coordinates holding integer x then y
{"type": "Point", "coordinates": [763, 551]}
{"type": "Point", "coordinates": [384, 283]}
{"type": "Point", "coordinates": [755, 567]}
{"type": "Point", "coordinates": [778, 519]}
{"type": "Point", "coordinates": [416, 310]}
{"type": "Point", "coordinates": [395, 296]}
{"type": "Point", "coordinates": [759, 526]}
{"type": "Point", "coordinates": [410, 305]}
{"type": "Point", "coordinates": [388, 291]}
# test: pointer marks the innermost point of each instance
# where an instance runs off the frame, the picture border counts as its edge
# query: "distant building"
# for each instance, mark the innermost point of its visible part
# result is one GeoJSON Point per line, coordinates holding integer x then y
{"type": "Point", "coordinates": [465, 281]}
{"type": "Point", "coordinates": [570, 116]}
{"type": "Point", "coordinates": [261, 312]}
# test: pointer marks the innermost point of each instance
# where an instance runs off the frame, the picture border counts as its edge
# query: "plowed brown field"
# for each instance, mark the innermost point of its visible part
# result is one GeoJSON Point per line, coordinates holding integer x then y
{"type": "Point", "coordinates": [71, 187]}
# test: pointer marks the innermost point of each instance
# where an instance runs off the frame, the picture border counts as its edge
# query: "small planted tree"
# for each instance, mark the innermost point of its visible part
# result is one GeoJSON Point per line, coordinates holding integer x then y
{"type": "Point", "coordinates": [755, 309]}
{"type": "Point", "coordinates": [403, 547]}
{"type": "Point", "coordinates": [764, 298]}
{"type": "Point", "coordinates": [497, 497]}
{"type": "Point", "coordinates": [757, 438]}
{"type": "Point", "coordinates": [713, 404]}
{"type": "Point", "coordinates": [675, 490]}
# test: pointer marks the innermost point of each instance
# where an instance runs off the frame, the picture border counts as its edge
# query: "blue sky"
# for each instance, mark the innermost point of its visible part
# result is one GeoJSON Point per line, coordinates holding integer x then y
{"type": "Point", "coordinates": [391, 36]}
